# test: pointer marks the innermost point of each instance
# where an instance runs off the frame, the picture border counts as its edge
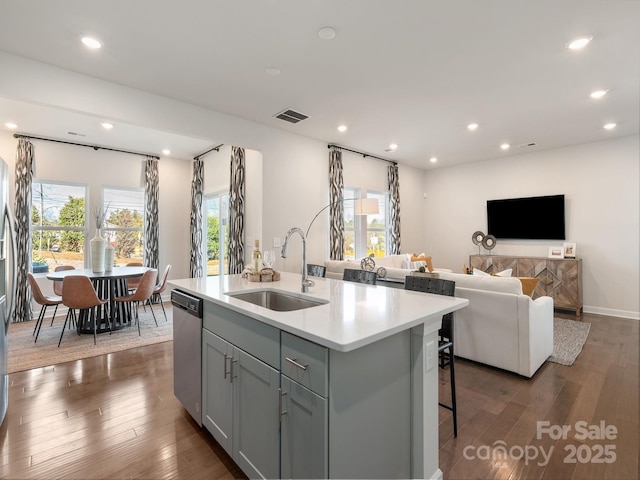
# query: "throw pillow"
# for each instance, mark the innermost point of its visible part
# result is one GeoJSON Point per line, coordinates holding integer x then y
{"type": "Point", "coordinates": [503, 273]}
{"type": "Point", "coordinates": [423, 258]}
{"type": "Point", "coordinates": [528, 285]}
{"type": "Point", "coordinates": [413, 265]}
{"type": "Point", "coordinates": [479, 273]}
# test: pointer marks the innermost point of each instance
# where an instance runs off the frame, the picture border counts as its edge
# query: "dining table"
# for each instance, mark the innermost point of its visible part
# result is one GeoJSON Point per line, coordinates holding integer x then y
{"type": "Point", "coordinates": [109, 285]}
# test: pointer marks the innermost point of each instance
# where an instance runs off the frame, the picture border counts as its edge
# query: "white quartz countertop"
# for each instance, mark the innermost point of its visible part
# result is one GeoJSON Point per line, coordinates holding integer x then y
{"type": "Point", "coordinates": [355, 315]}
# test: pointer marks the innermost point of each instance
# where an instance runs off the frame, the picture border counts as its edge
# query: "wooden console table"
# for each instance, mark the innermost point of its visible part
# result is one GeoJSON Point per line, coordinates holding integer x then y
{"type": "Point", "coordinates": [560, 279]}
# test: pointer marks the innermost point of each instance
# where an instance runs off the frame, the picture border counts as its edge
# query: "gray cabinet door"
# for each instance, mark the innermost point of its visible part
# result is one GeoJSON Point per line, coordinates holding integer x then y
{"type": "Point", "coordinates": [303, 437]}
{"type": "Point", "coordinates": [217, 389]}
{"type": "Point", "coordinates": [256, 417]}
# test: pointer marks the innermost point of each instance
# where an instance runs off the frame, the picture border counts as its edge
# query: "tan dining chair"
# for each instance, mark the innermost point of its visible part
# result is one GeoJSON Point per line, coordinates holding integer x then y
{"type": "Point", "coordinates": [78, 293]}
{"type": "Point", "coordinates": [132, 283]}
{"type": "Point", "coordinates": [142, 294]}
{"type": "Point", "coordinates": [160, 287]}
{"type": "Point", "coordinates": [45, 301]}
{"type": "Point", "coordinates": [57, 284]}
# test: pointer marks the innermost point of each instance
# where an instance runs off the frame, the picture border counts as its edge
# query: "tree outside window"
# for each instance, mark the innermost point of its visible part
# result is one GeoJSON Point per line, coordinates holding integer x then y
{"type": "Point", "coordinates": [124, 223]}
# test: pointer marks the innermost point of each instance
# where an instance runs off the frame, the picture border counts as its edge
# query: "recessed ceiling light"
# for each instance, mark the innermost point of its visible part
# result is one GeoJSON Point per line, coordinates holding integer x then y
{"type": "Point", "coordinates": [11, 125]}
{"type": "Point", "coordinates": [342, 128]}
{"type": "Point", "coordinates": [598, 93]}
{"type": "Point", "coordinates": [327, 33]}
{"type": "Point", "coordinates": [579, 43]}
{"type": "Point", "coordinates": [433, 159]}
{"type": "Point", "coordinates": [609, 126]}
{"type": "Point", "coordinates": [273, 71]}
{"type": "Point", "coordinates": [107, 125]}
{"type": "Point", "coordinates": [393, 146]}
{"type": "Point", "coordinates": [166, 151]}
{"type": "Point", "coordinates": [505, 146]}
{"type": "Point", "coordinates": [91, 42]}
{"type": "Point", "coordinates": [472, 126]}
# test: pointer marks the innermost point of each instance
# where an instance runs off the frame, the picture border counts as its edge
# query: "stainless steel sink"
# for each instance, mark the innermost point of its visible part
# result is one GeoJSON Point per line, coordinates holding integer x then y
{"type": "Point", "coordinates": [278, 301]}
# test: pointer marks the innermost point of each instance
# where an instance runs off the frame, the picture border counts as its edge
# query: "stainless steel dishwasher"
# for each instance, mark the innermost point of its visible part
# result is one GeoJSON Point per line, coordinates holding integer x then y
{"type": "Point", "coordinates": [187, 352]}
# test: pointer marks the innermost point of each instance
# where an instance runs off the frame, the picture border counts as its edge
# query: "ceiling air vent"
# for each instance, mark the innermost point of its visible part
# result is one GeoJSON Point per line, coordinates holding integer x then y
{"type": "Point", "coordinates": [291, 116]}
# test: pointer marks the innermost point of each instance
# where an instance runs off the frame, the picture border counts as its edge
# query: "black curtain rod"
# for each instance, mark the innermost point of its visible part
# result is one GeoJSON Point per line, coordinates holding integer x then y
{"type": "Point", "coordinates": [95, 147]}
{"type": "Point", "coordinates": [216, 148]}
{"type": "Point", "coordinates": [365, 155]}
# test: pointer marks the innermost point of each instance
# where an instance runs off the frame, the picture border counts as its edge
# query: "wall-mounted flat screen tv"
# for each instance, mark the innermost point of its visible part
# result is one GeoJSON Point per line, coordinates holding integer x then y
{"type": "Point", "coordinates": [531, 218]}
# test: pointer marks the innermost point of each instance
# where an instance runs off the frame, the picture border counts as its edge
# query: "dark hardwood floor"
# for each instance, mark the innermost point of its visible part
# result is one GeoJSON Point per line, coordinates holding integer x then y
{"type": "Point", "coordinates": [115, 416]}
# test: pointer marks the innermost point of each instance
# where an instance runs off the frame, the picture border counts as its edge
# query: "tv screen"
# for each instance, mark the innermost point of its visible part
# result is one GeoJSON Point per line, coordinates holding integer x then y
{"type": "Point", "coordinates": [532, 218]}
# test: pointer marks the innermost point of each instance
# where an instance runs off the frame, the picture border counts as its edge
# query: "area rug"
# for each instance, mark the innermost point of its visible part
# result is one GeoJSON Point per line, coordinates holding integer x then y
{"type": "Point", "coordinates": [569, 337]}
{"type": "Point", "coordinates": [24, 354]}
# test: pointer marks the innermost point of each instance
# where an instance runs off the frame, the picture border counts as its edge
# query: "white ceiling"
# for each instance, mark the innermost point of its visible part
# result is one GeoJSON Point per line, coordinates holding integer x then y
{"type": "Point", "coordinates": [413, 73]}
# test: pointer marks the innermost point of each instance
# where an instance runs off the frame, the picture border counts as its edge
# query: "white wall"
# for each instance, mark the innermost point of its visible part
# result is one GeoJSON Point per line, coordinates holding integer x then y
{"type": "Point", "coordinates": [600, 182]}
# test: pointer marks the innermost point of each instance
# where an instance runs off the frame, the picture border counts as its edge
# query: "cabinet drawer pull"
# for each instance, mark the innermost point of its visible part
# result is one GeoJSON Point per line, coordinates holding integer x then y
{"type": "Point", "coordinates": [293, 361]}
{"type": "Point", "coordinates": [226, 357]}
{"type": "Point", "coordinates": [282, 394]}
{"type": "Point", "coordinates": [231, 375]}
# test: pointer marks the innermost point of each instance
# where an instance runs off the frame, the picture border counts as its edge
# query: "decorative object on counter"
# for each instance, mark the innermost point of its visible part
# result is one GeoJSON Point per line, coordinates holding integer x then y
{"type": "Point", "coordinates": [556, 252]}
{"type": "Point", "coordinates": [265, 275]}
{"type": "Point", "coordinates": [487, 241]}
{"type": "Point", "coordinates": [368, 263]}
{"type": "Point", "coordinates": [569, 250]}
{"type": "Point", "coordinates": [382, 272]}
{"type": "Point", "coordinates": [257, 256]}
{"type": "Point", "coordinates": [424, 273]}
{"type": "Point", "coordinates": [268, 258]}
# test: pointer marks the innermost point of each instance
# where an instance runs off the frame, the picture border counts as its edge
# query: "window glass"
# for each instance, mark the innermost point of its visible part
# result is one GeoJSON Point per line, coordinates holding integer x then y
{"type": "Point", "coordinates": [350, 227]}
{"type": "Point", "coordinates": [123, 226]}
{"type": "Point", "coordinates": [217, 235]}
{"type": "Point", "coordinates": [377, 227]}
{"type": "Point", "coordinates": [58, 225]}
{"type": "Point", "coordinates": [364, 234]}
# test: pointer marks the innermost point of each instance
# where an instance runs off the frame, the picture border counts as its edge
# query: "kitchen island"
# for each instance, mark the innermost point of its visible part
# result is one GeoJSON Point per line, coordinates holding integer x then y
{"type": "Point", "coordinates": [344, 388]}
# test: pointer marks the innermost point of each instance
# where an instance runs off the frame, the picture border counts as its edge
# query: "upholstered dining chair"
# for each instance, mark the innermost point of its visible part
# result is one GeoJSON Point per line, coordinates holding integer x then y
{"type": "Point", "coordinates": [142, 294]}
{"type": "Point", "coordinates": [132, 283]}
{"type": "Point", "coordinates": [43, 300]}
{"type": "Point", "coordinates": [57, 284]}
{"type": "Point", "coordinates": [316, 270]}
{"type": "Point", "coordinates": [78, 293]}
{"type": "Point", "coordinates": [160, 287]}
{"type": "Point", "coordinates": [445, 343]}
{"type": "Point", "coordinates": [360, 276]}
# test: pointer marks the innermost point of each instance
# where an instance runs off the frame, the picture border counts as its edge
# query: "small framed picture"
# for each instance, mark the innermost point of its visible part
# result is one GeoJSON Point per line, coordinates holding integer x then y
{"type": "Point", "coordinates": [556, 252]}
{"type": "Point", "coordinates": [569, 250]}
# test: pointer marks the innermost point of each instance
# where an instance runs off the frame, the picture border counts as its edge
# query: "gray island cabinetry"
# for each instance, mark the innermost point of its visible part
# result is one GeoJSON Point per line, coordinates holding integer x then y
{"type": "Point", "coordinates": [344, 389]}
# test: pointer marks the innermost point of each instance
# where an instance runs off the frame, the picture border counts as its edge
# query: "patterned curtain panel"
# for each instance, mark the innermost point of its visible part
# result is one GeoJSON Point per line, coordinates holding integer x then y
{"type": "Point", "coordinates": [236, 211]}
{"type": "Point", "coordinates": [394, 210]}
{"type": "Point", "coordinates": [336, 209]}
{"type": "Point", "coordinates": [196, 269]}
{"type": "Point", "coordinates": [151, 249]}
{"type": "Point", "coordinates": [22, 210]}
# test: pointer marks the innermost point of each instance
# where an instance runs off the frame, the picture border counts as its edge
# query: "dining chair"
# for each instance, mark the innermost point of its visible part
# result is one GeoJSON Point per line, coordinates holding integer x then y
{"type": "Point", "coordinates": [360, 276]}
{"type": "Point", "coordinates": [78, 293]}
{"type": "Point", "coordinates": [159, 288]}
{"type": "Point", "coordinates": [445, 343]}
{"type": "Point", "coordinates": [142, 294]}
{"type": "Point", "coordinates": [132, 283]}
{"type": "Point", "coordinates": [57, 284]}
{"type": "Point", "coordinates": [316, 270]}
{"type": "Point", "coordinates": [45, 301]}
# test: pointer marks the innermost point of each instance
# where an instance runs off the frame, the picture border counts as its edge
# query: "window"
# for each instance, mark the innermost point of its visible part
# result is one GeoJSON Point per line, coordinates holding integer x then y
{"type": "Point", "coordinates": [217, 234]}
{"type": "Point", "coordinates": [366, 234]}
{"type": "Point", "coordinates": [58, 225]}
{"type": "Point", "coordinates": [124, 222]}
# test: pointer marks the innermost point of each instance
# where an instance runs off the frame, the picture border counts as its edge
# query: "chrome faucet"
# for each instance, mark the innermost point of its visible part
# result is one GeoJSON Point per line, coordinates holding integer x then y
{"type": "Point", "coordinates": [306, 283]}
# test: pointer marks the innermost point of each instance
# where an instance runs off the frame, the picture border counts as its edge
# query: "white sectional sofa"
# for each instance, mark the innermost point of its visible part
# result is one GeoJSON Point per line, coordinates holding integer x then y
{"type": "Point", "coordinates": [502, 327]}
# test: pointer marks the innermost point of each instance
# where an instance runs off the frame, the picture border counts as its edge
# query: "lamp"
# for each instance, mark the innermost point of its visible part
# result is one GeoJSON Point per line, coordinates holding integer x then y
{"type": "Point", "coordinates": [362, 206]}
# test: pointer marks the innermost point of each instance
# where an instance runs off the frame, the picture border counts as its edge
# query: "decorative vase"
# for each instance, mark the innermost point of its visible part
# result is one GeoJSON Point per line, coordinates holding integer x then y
{"type": "Point", "coordinates": [97, 246]}
{"type": "Point", "coordinates": [109, 255]}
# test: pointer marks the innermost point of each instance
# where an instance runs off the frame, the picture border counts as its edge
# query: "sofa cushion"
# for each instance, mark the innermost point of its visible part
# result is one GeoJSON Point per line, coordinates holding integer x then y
{"type": "Point", "coordinates": [414, 265]}
{"type": "Point", "coordinates": [391, 261]}
{"type": "Point", "coordinates": [494, 284]}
